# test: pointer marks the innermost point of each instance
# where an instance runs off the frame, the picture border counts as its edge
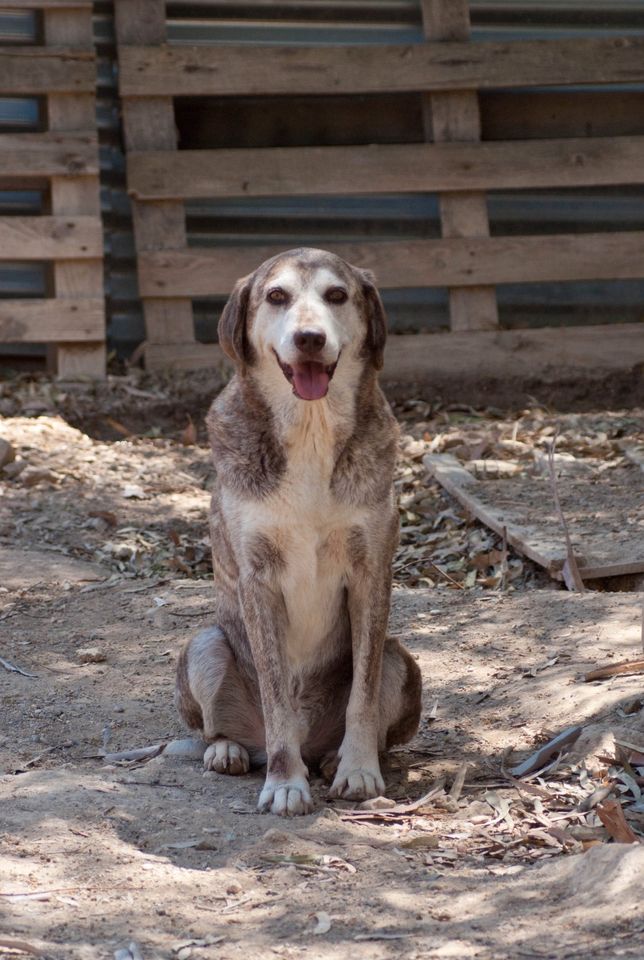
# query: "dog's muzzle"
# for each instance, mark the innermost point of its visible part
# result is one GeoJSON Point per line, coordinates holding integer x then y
{"type": "Point", "coordinates": [309, 378]}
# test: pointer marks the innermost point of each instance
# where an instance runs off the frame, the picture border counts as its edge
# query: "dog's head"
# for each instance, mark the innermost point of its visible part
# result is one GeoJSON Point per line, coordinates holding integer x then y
{"type": "Point", "coordinates": [304, 313]}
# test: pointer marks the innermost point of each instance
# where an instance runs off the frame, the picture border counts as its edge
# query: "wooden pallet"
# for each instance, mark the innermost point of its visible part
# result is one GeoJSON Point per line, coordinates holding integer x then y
{"type": "Point", "coordinates": [65, 158]}
{"type": "Point", "coordinates": [447, 71]}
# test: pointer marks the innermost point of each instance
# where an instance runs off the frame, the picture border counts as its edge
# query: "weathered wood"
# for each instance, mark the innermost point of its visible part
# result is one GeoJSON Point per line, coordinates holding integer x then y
{"type": "Point", "coordinates": [48, 4]}
{"type": "Point", "coordinates": [48, 154]}
{"type": "Point", "coordinates": [29, 71]}
{"type": "Point", "coordinates": [413, 263]}
{"type": "Point", "coordinates": [149, 125]}
{"type": "Point", "coordinates": [51, 321]}
{"type": "Point", "coordinates": [455, 116]}
{"type": "Point", "coordinates": [409, 168]}
{"type": "Point", "coordinates": [246, 70]}
{"type": "Point", "coordinates": [541, 537]}
{"type": "Point", "coordinates": [72, 196]}
{"type": "Point", "coordinates": [486, 356]}
{"type": "Point", "coordinates": [50, 238]}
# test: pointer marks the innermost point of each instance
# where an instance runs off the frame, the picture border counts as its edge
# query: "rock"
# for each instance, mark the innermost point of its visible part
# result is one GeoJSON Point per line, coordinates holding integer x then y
{"type": "Point", "coordinates": [377, 803]}
{"type": "Point", "coordinates": [189, 748]}
{"type": "Point", "coordinates": [7, 453]}
{"type": "Point", "coordinates": [34, 475]}
{"type": "Point", "coordinates": [91, 655]}
{"type": "Point", "coordinates": [14, 468]}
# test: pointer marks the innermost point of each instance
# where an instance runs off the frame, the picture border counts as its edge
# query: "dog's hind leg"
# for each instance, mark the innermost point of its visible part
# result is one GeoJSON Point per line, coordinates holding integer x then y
{"type": "Point", "coordinates": [400, 696]}
{"type": "Point", "coordinates": [212, 697]}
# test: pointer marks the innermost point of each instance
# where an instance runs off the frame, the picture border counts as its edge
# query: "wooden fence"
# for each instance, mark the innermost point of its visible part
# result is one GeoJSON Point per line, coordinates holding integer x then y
{"type": "Point", "coordinates": [447, 71]}
{"type": "Point", "coordinates": [63, 159]}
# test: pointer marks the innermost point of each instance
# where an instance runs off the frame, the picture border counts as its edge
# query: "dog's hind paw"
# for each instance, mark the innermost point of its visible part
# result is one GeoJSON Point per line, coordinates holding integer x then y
{"type": "Point", "coordinates": [226, 756]}
{"type": "Point", "coordinates": [357, 784]}
{"type": "Point", "coordinates": [290, 798]}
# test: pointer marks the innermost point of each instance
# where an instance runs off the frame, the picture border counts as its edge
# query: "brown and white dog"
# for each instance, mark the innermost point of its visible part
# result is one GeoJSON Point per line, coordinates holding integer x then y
{"type": "Point", "coordinates": [298, 670]}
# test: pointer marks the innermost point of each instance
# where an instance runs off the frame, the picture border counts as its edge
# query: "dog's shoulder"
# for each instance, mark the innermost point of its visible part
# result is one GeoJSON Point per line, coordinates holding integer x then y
{"type": "Point", "coordinates": [364, 468]}
{"type": "Point", "coordinates": [247, 453]}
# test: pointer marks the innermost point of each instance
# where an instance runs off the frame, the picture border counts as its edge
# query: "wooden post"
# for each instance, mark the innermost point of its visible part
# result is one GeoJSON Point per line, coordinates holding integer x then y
{"type": "Point", "coordinates": [149, 124]}
{"type": "Point", "coordinates": [455, 115]}
{"type": "Point", "coordinates": [73, 196]}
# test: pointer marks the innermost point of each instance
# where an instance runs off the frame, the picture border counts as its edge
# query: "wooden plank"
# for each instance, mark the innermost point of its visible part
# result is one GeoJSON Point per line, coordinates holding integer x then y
{"type": "Point", "coordinates": [47, 4]}
{"type": "Point", "coordinates": [208, 272]}
{"type": "Point", "coordinates": [149, 124]}
{"type": "Point", "coordinates": [51, 321]}
{"type": "Point", "coordinates": [48, 154]}
{"type": "Point", "coordinates": [245, 70]}
{"type": "Point", "coordinates": [50, 238]}
{"type": "Point", "coordinates": [601, 551]}
{"type": "Point", "coordinates": [456, 116]}
{"type": "Point", "coordinates": [485, 357]}
{"type": "Point", "coordinates": [409, 168]}
{"type": "Point", "coordinates": [79, 195]}
{"type": "Point", "coordinates": [30, 70]}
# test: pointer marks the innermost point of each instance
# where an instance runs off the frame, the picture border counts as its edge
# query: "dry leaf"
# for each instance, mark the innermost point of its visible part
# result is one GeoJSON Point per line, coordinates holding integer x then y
{"type": "Point", "coordinates": [612, 816]}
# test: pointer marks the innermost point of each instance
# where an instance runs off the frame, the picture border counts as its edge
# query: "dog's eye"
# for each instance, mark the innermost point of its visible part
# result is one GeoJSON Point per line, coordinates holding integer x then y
{"type": "Point", "coordinates": [277, 296]}
{"type": "Point", "coordinates": [336, 295]}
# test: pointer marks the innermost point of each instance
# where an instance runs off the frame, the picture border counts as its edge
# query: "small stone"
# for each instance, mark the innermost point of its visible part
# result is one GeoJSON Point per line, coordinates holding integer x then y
{"type": "Point", "coordinates": [7, 453]}
{"type": "Point", "coordinates": [14, 468]}
{"type": "Point", "coordinates": [118, 709]}
{"type": "Point", "coordinates": [91, 655]}
{"type": "Point", "coordinates": [275, 836]}
{"type": "Point", "coordinates": [34, 475]}
{"type": "Point", "coordinates": [234, 887]}
{"type": "Point", "coordinates": [377, 803]}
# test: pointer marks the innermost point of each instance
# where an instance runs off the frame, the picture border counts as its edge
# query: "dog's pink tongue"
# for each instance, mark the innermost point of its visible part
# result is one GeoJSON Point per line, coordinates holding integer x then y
{"type": "Point", "coordinates": [311, 381]}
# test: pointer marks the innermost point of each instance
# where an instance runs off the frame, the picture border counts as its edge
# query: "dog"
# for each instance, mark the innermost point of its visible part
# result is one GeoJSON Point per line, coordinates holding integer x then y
{"type": "Point", "coordinates": [298, 670]}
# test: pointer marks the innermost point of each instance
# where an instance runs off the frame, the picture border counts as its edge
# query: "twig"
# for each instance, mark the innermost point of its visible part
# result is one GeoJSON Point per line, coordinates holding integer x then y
{"type": "Point", "coordinates": [615, 669]}
{"type": "Point", "coordinates": [12, 668]}
{"type": "Point", "coordinates": [22, 946]}
{"type": "Point", "coordinates": [572, 577]}
{"type": "Point", "coordinates": [443, 574]}
{"type": "Point", "coordinates": [457, 785]}
{"type": "Point", "coordinates": [504, 560]}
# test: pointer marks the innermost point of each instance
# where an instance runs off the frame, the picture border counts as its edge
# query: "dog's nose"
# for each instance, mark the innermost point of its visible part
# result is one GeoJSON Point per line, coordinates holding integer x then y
{"type": "Point", "coordinates": [309, 341]}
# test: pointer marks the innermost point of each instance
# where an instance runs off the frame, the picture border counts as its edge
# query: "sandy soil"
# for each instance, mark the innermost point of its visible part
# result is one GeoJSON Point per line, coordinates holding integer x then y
{"type": "Point", "coordinates": [99, 856]}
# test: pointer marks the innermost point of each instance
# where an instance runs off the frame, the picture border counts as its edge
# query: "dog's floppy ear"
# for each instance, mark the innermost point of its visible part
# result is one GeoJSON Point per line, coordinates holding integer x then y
{"type": "Point", "coordinates": [233, 325]}
{"type": "Point", "coordinates": [374, 346]}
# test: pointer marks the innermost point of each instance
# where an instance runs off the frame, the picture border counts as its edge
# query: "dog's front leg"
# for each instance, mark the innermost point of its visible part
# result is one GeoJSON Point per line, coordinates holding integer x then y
{"type": "Point", "coordinates": [286, 790]}
{"type": "Point", "coordinates": [358, 775]}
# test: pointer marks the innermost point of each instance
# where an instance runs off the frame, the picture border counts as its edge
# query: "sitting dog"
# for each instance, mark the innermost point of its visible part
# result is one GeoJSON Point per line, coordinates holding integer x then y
{"type": "Point", "coordinates": [298, 669]}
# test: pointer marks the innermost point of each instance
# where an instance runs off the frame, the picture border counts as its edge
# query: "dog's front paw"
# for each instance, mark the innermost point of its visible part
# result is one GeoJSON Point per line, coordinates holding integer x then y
{"type": "Point", "coordinates": [226, 756]}
{"type": "Point", "coordinates": [286, 798]}
{"type": "Point", "coordinates": [357, 782]}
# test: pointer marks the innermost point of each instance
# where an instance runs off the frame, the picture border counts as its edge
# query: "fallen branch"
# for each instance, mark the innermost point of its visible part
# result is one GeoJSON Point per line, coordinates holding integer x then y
{"type": "Point", "coordinates": [614, 670]}
{"type": "Point", "coordinates": [572, 577]}
{"type": "Point", "coordinates": [21, 946]}
{"type": "Point", "coordinates": [541, 756]}
{"type": "Point", "coordinates": [12, 668]}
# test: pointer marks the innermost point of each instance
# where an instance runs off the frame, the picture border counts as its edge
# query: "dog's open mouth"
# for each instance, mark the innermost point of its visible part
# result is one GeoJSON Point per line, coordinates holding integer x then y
{"type": "Point", "coordinates": [310, 380]}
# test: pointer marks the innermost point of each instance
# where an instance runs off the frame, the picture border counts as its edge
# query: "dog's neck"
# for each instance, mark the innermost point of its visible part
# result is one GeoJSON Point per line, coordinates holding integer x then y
{"type": "Point", "coordinates": [316, 426]}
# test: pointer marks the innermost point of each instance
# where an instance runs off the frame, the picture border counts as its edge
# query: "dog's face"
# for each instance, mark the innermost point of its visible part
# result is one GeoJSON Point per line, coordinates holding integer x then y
{"type": "Point", "coordinates": [304, 313]}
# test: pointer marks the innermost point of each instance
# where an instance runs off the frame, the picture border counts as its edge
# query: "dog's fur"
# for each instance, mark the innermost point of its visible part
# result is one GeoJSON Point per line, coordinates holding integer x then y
{"type": "Point", "coordinates": [304, 525]}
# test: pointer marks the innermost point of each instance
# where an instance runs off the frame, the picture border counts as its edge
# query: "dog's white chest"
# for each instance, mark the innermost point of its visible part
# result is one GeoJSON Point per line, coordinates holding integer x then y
{"type": "Point", "coordinates": [310, 528]}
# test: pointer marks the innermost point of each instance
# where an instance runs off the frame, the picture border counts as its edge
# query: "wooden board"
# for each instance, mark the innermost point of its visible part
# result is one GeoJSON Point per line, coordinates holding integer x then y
{"type": "Point", "coordinates": [597, 514]}
{"type": "Point", "coordinates": [51, 238]}
{"type": "Point", "coordinates": [419, 263]}
{"type": "Point", "coordinates": [247, 70]}
{"type": "Point", "coordinates": [149, 124]}
{"type": "Point", "coordinates": [30, 70]}
{"type": "Point", "coordinates": [48, 154]}
{"type": "Point", "coordinates": [455, 115]}
{"type": "Point", "coordinates": [547, 354]}
{"type": "Point", "coordinates": [51, 321]}
{"type": "Point", "coordinates": [409, 168]}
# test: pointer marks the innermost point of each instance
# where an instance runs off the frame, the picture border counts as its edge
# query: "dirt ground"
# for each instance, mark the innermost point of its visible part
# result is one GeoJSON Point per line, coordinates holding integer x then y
{"type": "Point", "coordinates": [104, 574]}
